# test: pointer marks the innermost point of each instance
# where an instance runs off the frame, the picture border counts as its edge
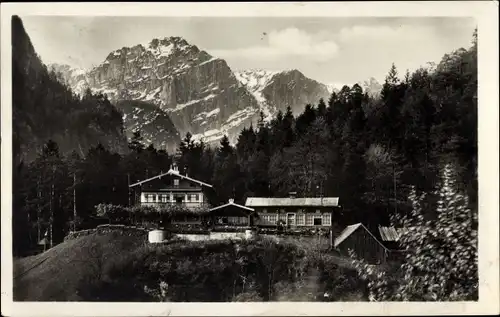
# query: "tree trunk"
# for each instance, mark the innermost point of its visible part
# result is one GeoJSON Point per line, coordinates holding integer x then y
{"type": "Point", "coordinates": [74, 202]}
{"type": "Point", "coordinates": [51, 213]}
{"type": "Point", "coordinates": [39, 211]}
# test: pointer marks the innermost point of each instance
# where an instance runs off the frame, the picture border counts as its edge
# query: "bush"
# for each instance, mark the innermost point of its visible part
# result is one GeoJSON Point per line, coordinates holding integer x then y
{"type": "Point", "coordinates": [259, 270]}
{"type": "Point", "coordinates": [441, 255]}
{"type": "Point", "coordinates": [147, 216]}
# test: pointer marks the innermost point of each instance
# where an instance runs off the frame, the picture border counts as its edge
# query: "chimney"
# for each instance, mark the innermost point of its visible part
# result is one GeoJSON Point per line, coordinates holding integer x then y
{"type": "Point", "coordinates": [174, 168]}
{"type": "Point", "coordinates": [293, 194]}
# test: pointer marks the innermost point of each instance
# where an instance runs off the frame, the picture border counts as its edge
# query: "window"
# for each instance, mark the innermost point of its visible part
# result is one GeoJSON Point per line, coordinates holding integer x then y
{"type": "Point", "coordinates": [327, 219]}
{"type": "Point", "coordinates": [291, 219]}
{"type": "Point", "coordinates": [176, 182]}
{"type": "Point", "coordinates": [318, 221]}
{"type": "Point", "coordinates": [194, 197]}
{"type": "Point", "coordinates": [238, 220]}
{"type": "Point", "coordinates": [270, 218]}
{"type": "Point", "coordinates": [309, 219]}
{"type": "Point", "coordinates": [301, 219]}
{"type": "Point", "coordinates": [282, 217]}
{"type": "Point", "coordinates": [150, 198]}
{"type": "Point", "coordinates": [164, 198]}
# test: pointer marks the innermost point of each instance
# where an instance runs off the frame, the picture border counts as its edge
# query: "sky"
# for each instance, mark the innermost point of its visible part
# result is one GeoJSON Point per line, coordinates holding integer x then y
{"type": "Point", "coordinates": [332, 50]}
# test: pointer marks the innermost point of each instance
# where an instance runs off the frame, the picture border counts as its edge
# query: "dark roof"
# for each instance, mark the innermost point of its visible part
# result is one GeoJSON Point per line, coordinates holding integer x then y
{"type": "Point", "coordinates": [171, 172]}
{"type": "Point", "coordinates": [351, 229]}
{"type": "Point", "coordinates": [289, 201]}
{"type": "Point", "coordinates": [231, 208]}
{"type": "Point", "coordinates": [231, 203]}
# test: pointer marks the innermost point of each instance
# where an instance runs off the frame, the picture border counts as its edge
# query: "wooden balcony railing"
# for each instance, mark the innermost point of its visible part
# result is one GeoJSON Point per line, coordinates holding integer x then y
{"type": "Point", "coordinates": [180, 204]}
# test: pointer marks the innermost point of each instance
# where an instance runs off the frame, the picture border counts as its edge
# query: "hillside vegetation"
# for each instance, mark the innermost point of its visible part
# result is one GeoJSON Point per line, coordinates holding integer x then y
{"type": "Point", "coordinates": [119, 266]}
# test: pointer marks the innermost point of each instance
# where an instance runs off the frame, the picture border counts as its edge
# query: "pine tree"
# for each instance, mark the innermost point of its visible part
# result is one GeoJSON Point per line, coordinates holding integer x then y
{"type": "Point", "coordinates": [441, 254]}
{"type": "Point", "coordinates": [321, 108]}
{"type": "Point", "coordinates": [136, 143]}
{"type": "Point", "coordinates": [227, 177]}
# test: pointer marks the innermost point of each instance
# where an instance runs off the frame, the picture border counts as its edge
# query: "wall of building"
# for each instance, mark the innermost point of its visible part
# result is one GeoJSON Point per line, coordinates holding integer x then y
{"type": "Point", "coordinates": [190, 199]}
{"type": "Point", "coordinates": [365, 246]}
{"type": "Point", "coordinates": [301, 217]}
{"type": "Point", "coordinates": [231, 220]}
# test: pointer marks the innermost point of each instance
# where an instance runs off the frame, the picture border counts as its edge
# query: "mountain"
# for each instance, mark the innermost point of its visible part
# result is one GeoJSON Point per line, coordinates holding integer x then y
{"type": "Point", "coordinates": [198, 92]}
{"type": "Point", "coordinates": [277, 90]}
{"type": "Point", "coordinates": [43, 108]}
{"type": "Point", "coordinates": [334, 87]}
{"type": "Point", "coordinates": [76, 78]}
{"type": "Point", "coordinates": [372, 87]}
{"type": "Point", "coordinates": [154, 124]}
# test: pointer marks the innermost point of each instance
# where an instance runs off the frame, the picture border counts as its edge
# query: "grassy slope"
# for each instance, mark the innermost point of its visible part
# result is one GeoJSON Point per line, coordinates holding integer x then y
{"type": "Point", "coordinates": [55, 274]}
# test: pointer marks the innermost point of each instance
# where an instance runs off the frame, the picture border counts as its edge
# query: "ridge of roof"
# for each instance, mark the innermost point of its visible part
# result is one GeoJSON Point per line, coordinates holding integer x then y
{"type": "Point", "coordinates": [171, 172]}
{"type": "Point", "coordinates": [352, 228]}
{"type": "Point", "coordinates": [232, 204]}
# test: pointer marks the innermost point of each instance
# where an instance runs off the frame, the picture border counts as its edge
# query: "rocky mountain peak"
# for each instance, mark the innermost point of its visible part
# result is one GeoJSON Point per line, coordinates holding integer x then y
{"type": "Point", "coordinates": [198, 92]}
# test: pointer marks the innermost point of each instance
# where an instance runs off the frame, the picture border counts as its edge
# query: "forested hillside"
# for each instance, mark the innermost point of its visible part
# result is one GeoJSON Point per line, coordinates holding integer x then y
{"type": "Point", "coordinates": [48, 121]}
{"type": "Point", "coordinates": [367, 150]}
{"type": "Point", "coordinates": [43, 108]}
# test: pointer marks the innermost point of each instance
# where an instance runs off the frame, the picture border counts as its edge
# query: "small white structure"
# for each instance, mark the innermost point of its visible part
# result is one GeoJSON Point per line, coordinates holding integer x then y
{"type": "Point", "coordinates": [157, 236]}
{"type": "Point", "coordinates": [249, 234]}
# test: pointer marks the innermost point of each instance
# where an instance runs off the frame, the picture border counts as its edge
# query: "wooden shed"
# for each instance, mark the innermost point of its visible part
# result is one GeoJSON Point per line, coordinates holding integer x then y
{"type": "Point", "coordinates": [365, 245]}
{"type": "Point", "coordinates": [232, 214]}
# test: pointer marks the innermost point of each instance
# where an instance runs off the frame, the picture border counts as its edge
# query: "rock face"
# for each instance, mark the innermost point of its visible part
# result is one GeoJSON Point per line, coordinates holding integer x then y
{"type": "Point", "coordinates": [154, 124]}
{"type": "Point", "coordinates": [199, 93]}
{"type": "Point", "coordinates": [372, 87]}
{"type": "Point", "coordinates": [76, 78]}
{"type": "Point", "coordinates": [277, 90]}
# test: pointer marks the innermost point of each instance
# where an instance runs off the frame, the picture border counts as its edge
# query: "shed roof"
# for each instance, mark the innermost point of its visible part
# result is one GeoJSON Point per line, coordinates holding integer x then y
{"type": "Point", "coordinates": [346, 233]}
{"type": "Point", "coordinates": [171, 172]}
{"type": "Point", "coordinates": [352, 228]}
{"type": "Point", "coordinates": [289, 201]}
{"type": "Point", "coordinates": [389, 233]}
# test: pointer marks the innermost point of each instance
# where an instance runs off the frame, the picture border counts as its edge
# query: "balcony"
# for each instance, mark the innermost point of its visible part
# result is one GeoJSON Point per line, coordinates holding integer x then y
{"type": "Point", "coordinates": [184, 204]}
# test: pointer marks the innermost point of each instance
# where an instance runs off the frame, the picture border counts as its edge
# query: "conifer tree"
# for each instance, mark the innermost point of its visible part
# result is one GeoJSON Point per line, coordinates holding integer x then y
{"type": "Point", "coordinates": [440, 254]}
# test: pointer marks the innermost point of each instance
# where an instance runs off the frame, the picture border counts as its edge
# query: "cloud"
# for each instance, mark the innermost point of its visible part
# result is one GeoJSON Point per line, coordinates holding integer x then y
{"type": "Point", "coordinates": [385, 33]}
{"type": "Point", "coordinates": [287, 42]}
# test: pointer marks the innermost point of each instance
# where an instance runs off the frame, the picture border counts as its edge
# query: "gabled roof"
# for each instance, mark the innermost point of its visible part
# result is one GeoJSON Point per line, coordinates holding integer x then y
{"type": "Point", "coordinates": [346, 233]}
{"type": "Point", "coordinates": [232, 203]}
{"type": "Point", "coordinates": [352, 228]}
{"type": "Point", "coordinates": [172, 173]}
{"type": "Point", "coordinates": [288, 201]}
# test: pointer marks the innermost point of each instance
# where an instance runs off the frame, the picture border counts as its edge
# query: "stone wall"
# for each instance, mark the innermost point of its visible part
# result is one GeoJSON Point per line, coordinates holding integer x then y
{"type": "Point", "coordinates": [211, 236]}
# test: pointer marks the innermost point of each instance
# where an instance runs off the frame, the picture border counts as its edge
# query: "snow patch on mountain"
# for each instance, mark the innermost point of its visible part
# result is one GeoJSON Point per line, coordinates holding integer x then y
{"type": "Point", "coordinates": [255, 80]}
{"type": "Point", "coordinates": [334, 87]}
{"type": "Point", "coordinates": [232, 122]}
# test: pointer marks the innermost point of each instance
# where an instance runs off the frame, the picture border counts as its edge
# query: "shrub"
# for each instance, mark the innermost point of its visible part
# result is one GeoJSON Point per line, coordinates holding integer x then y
{"type": "Point", "coordinates": [441, 255]}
